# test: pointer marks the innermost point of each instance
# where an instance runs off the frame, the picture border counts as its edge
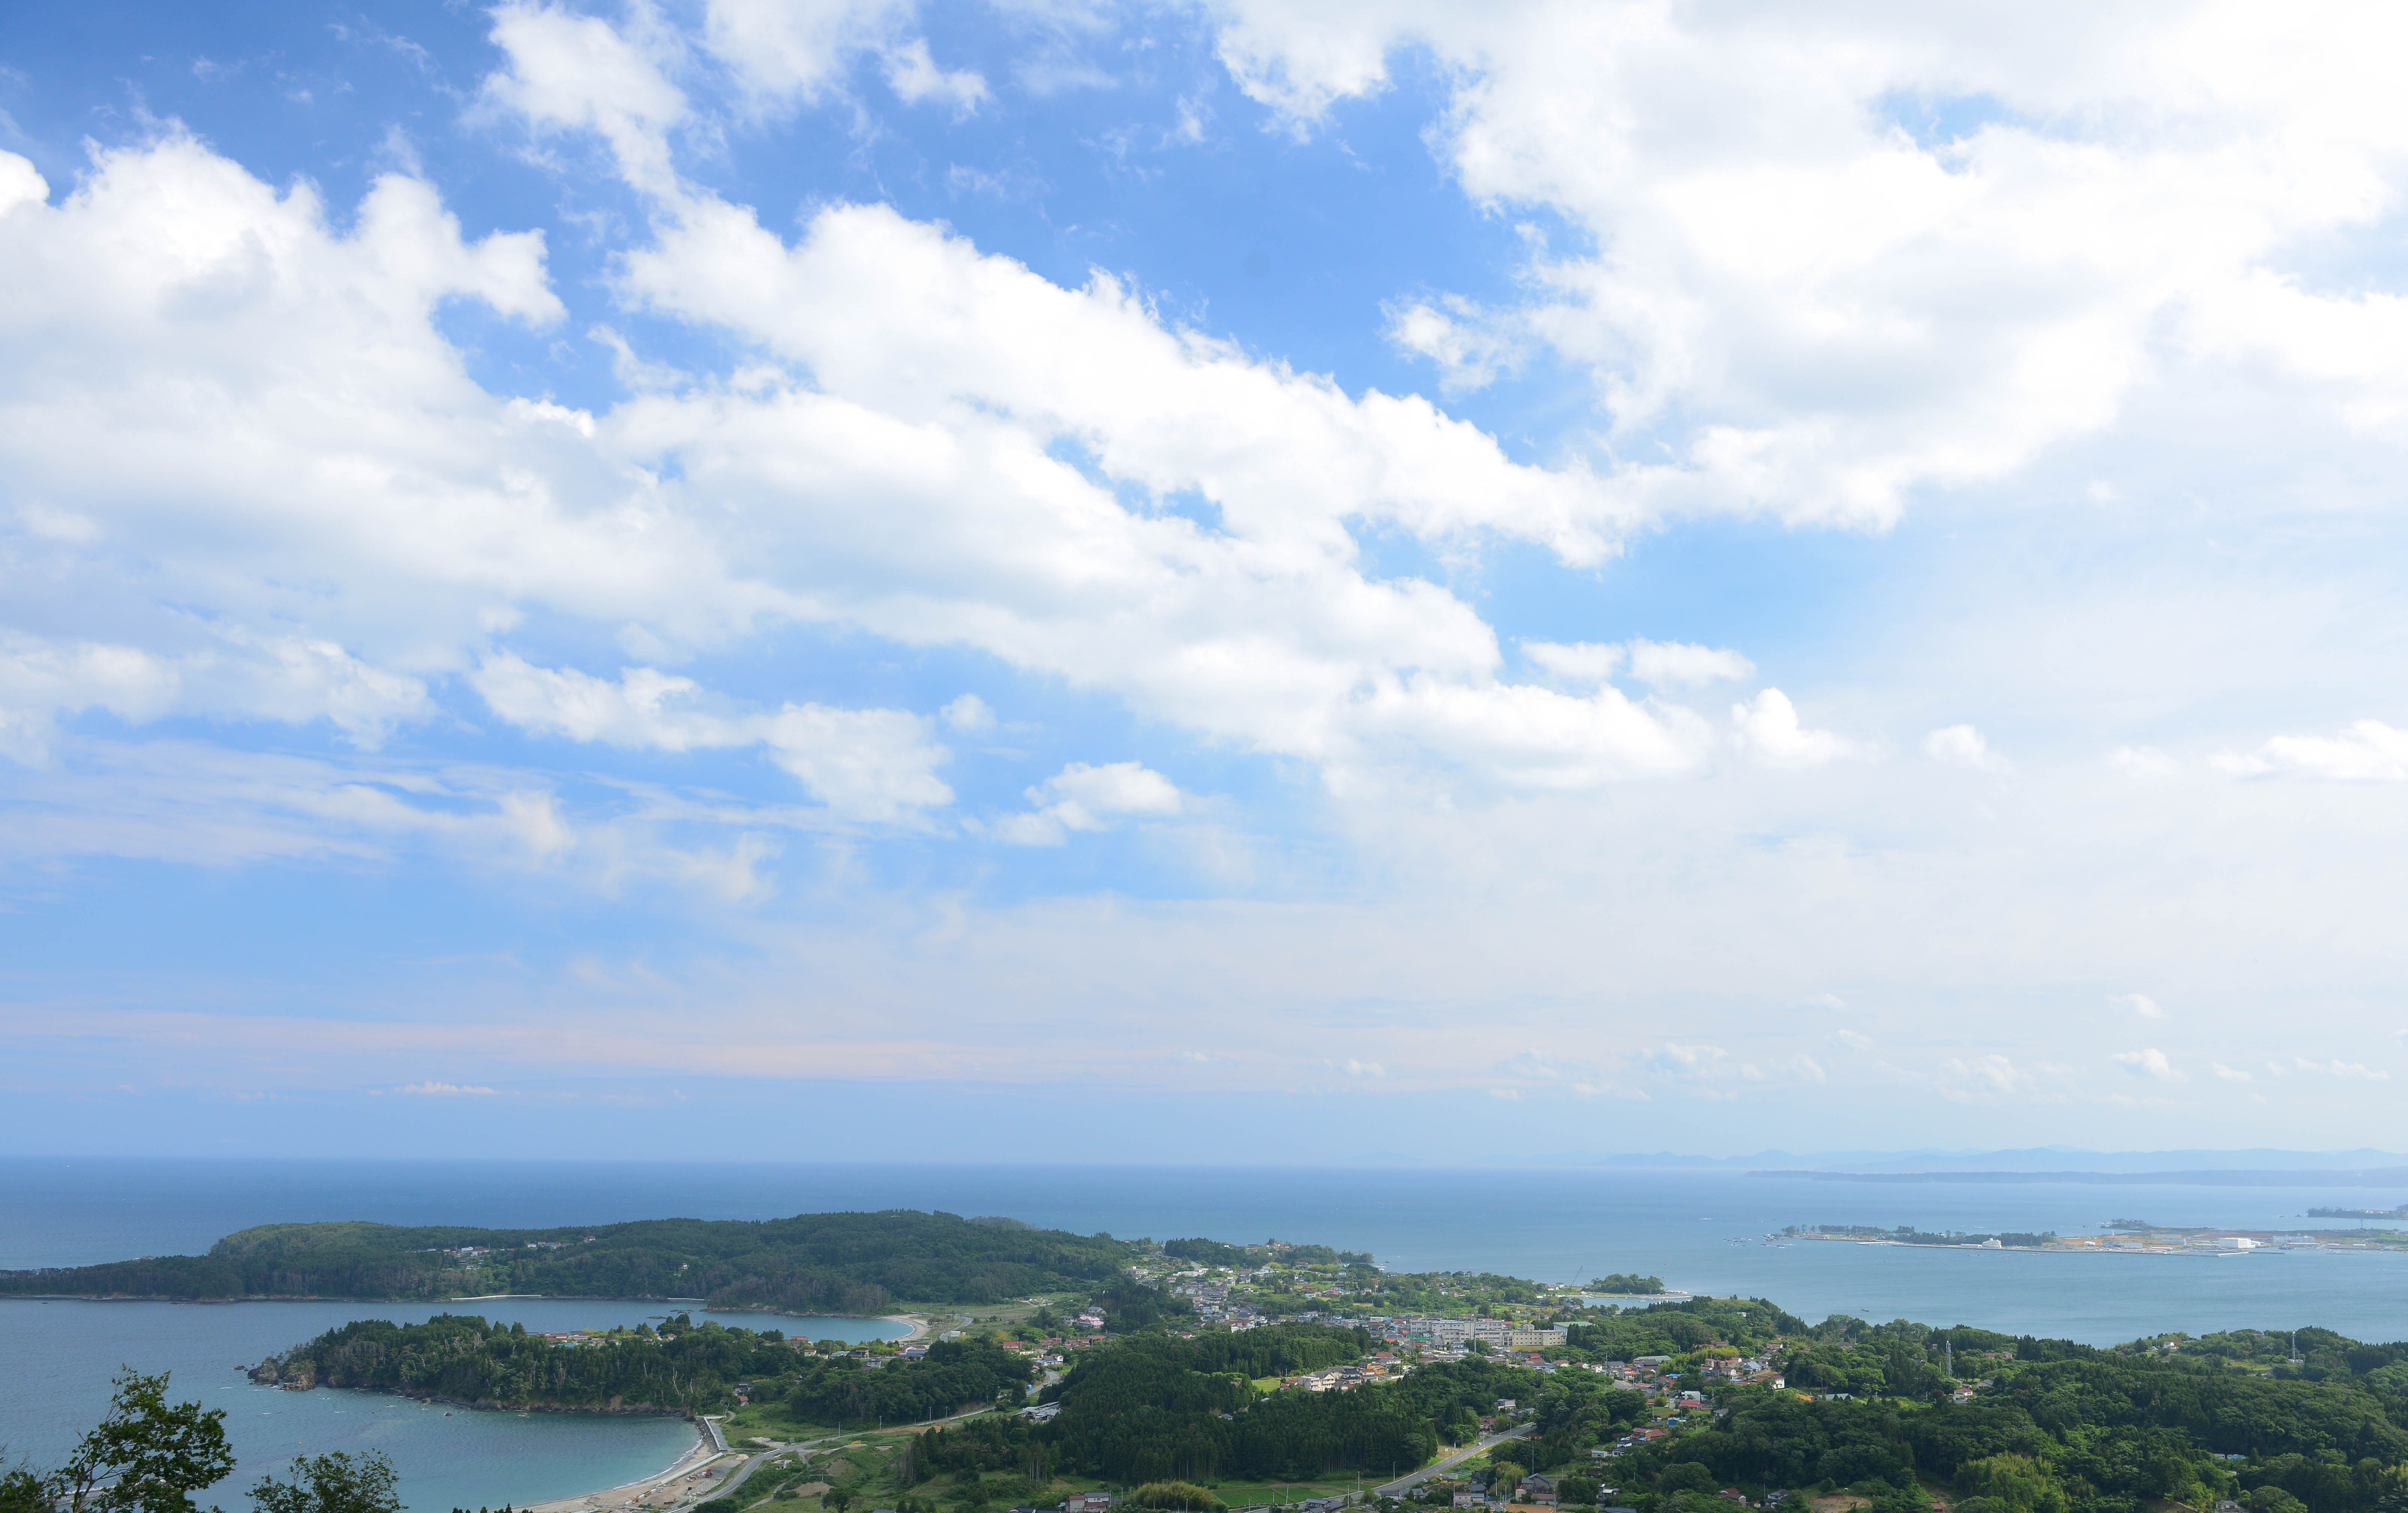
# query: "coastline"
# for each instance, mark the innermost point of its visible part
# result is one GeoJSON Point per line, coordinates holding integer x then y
{"type": "Point", "coordinates": [697, 1456]}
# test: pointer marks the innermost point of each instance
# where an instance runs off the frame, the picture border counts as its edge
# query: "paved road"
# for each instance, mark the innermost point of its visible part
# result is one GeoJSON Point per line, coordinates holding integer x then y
{"type": "Point", "coordinates": [804, 1447]}
{"type": "Point", "coordinates": [1401, 1483]}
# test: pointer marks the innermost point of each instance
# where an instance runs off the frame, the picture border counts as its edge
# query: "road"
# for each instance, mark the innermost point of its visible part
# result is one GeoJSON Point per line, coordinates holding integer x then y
{"type": "Point", "coordinates": [1448, 1463]}
{"type": "Point", "coordinates": [803, 1447]}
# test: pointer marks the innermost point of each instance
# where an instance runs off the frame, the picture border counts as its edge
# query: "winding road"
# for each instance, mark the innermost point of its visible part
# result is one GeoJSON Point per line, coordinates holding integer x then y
{"type": "Point", "coordinates": [1391, 1489]}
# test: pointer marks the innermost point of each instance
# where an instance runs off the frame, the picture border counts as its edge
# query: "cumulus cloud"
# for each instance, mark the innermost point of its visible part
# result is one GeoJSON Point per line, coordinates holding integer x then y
{"type": "Point", "coordinates": [2140, 1004]}
{"type": "Point", "coordinates": [1658, 664]}
{"type": "Point", "coordinates": [968, 714]}
{"type": "Point", "coordinates": [460, 511]}
{"type": "Point", "coordinates": [865, 764]}
{"type": "Point", "coordinates": [785, 52]}
{"type": "Point", "coordinates": [1672, 664]}
{"type": "Point", "coordinates": [1462, 340]}
{"type": "Point", "coordinates": [2368, 752]}
{"type": "Point", "coordinates": [2337, 1068]}
{"type": "Point", "coordinates": [2151, 1063]}
{"type": "Point", "coordinates": [1962, 746]}
{"type": "Point", "coordinates": [431, 1089]}
{"type": "Point", "coordinates": [222, 671]}
{"type": "Point", "coordinates": [1081, 797]}
{"type": "Point", "coordinates": [1982, 1078]}
{"type": "Point", "coordinates": [579, 73]}
{"type": "Point", "coordinates": [1783, 246]}
{"type": "Point", "coordinates": [1767, 729]}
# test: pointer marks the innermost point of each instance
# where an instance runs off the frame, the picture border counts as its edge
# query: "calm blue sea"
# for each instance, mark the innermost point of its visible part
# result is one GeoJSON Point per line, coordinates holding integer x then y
{"type": "Point", "coordinates": [1701, 1229]}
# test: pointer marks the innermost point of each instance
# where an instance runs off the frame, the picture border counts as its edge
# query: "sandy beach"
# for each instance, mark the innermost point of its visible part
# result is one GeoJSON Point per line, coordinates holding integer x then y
{"type": "Point", "coordinates": [696, 1474]}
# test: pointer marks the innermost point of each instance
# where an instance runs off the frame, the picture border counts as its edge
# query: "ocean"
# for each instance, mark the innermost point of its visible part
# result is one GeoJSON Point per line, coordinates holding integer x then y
{"type": "Point", "coordinates": [1701, 1230]}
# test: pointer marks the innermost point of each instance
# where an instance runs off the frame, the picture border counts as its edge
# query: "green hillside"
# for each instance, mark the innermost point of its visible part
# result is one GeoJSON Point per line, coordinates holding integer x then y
{"type": "Point", "coordinates": [851, 1263]}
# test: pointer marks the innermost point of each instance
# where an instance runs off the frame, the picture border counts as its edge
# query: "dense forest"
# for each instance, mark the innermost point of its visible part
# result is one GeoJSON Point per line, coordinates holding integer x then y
{"type": "Point", "coordinates": [957, 1374]}
{"type": "Point", "coordinates": [2056, 1427]}
{"type": "Point", "coordinates": [1694, 1324]}
{"type": "Point", "coordinates": [462, 1358]}
{"type": "Point", "coordinates": [683, 1367]}
{"type": "Point", "coordinates": [845, 1263]}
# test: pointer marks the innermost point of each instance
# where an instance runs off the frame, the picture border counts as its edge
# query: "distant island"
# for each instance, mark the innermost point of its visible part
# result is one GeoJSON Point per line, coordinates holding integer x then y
{"type": "Point", "coordinates": [2401, 1212]}
{"type": "Point", "coordinates": [2129, 1235]}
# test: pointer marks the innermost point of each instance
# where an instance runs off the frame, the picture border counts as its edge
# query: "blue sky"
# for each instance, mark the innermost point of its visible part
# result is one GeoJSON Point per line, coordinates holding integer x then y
{"type": "Point", "coordinates": [1394, 580]}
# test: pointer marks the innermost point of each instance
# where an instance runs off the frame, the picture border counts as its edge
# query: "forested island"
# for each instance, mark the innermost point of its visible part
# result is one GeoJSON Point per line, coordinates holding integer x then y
{"type": "Point", "coordinates": [841, 1263]}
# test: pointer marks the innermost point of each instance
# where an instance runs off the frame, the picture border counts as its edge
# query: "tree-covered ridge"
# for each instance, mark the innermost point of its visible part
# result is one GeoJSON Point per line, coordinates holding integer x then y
{"type": "Point", "coordinates": [1158, 1408]}
{"type": "Point", "coordinates": [2027, 1425]}
{"type": "Point", "coordinates": [464, 1359]}
{"type": "Point", "coordinates": [848, 1262]}
{"type": "Point", "coordinates": [954, 1375]}
{"type": "Point", "coordinates": [1694, 1324]}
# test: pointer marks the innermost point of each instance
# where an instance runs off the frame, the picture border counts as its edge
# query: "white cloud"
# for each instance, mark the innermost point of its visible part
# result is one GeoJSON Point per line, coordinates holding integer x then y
{"type": "Point", "coordinates": [1658, 664]}
{"type": "Point", "coordinates": [1673, 1059]}
{"type": "Point", "coordinates": [1962, 746]}
{"type": "Point", "coordinates": [578, 73]}
{"type": "Point", "coordinates": [1785, 260]}
{"type": "Point", "coordinates": [431, 1089]}
{"type": "Point", "coordinates": [781, 51]}
{"type": "Point", "coordinates": [228, 673]}
{"type": "Point", "coordinates": [2140, 1004]}
{"type": "Point", "coordinates": [877, 765]}
{"type": "Point", "coordinates": [1982, 1078]}
{"type": "Point", "coordinates": [1264, 630]}
{"type": "Point", "coordinates": [1090, 798]}
{"type": "Point", "coordinates": [1579, 662]}
{"type": "Point", "coordinates": [2141, 762]}
{"type": "Point", "coordinates": [1767, 729]}
{"type": "Point", "coordinates": [2228, 1074]}
{"type": "Point", "coordinates": [916, 80]}
{"type": "Point", "coordinates": [2151, 1063]}
{"type": "Point", "coordinates": [968, 714]}
{"type": "Point", "coordinates": [2369, 751]}
{"type": "Point", "coordinates": [2337, 1068]}
{"type": "Point", "coordinates": [1672, 664]}
{"type": "Point", "coordinates": [1456, 336]}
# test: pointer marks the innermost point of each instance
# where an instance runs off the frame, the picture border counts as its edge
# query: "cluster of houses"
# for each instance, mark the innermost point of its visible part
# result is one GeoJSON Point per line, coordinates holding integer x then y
{"type": "Point", "coordinates": [1454, 1334]}
{"type": "Point", "coordinates": [1384, 1366]}
{"type": "Point", "coordinates": [1536, 1490]}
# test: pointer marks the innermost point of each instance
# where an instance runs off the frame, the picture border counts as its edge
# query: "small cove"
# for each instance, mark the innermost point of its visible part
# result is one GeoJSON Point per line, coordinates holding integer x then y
{"type": "Point", "coordinates": [60, 1354]}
